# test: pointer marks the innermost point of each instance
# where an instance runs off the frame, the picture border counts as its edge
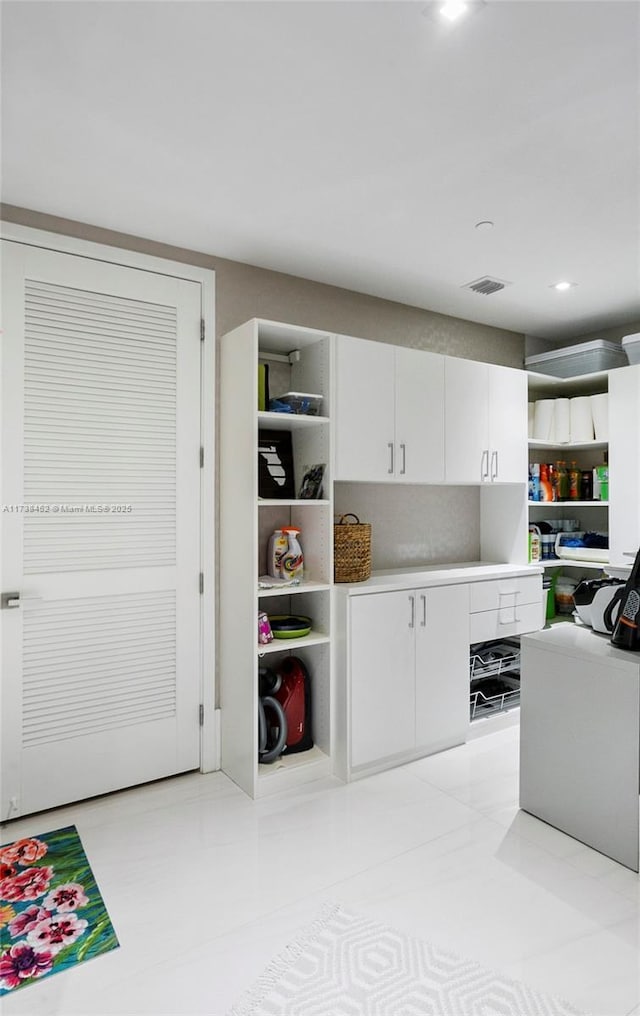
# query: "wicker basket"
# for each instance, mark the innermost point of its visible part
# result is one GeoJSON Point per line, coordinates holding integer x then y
{"type": "Point", "coordinates": [351, 550]}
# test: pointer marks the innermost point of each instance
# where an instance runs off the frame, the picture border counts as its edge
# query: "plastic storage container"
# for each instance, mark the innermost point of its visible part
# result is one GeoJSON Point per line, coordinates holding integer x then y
{"type": "Point", "coordinates": [631, 346]}
{"type": "Point", "coordinates": [565, 588]}
{"type": "Point", "coordinates": [302, 403]}
{"type": "Point", "coordinates": [585, 358]}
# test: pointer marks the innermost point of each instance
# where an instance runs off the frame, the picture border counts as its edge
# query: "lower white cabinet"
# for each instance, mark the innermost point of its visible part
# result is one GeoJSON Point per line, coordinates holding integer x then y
{"type": "Point", "coordinates": [504, 607]}
{"type": "Point", "coordinates": [408, 673]}
{"type": "Point", "coordinates": [442, 667]}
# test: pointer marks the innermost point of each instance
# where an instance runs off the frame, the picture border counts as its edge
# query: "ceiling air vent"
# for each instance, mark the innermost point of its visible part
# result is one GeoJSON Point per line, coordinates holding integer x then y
{"type": "Point", "coordinates": [486, 286]}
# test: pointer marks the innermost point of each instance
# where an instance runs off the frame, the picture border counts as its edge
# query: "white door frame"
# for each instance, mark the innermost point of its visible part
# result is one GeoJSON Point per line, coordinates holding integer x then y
{"type": "Point", "coordinates": [209, 731]}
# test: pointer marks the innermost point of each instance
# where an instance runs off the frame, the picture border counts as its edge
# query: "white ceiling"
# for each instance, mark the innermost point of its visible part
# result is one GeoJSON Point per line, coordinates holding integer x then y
{"type": "Point", "coordinates": [355, 143]}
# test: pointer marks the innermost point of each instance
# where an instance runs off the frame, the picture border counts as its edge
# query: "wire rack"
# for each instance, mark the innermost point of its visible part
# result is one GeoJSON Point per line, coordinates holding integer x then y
{"type": "Point", "coordinates": [494, 670]}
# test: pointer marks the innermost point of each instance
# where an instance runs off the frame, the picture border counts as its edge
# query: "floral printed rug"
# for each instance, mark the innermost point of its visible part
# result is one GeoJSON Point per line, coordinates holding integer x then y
{"type": "Point", "coordinates": [52, 915]}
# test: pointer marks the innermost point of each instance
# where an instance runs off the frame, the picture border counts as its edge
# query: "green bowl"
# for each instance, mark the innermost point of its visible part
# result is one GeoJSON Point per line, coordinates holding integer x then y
{"type": "Point", "coordinates": [289, 626]}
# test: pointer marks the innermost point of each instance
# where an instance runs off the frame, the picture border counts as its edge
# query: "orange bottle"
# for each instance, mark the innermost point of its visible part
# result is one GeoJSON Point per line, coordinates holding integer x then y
{"type": "Point", "coordinates": [546, 487]}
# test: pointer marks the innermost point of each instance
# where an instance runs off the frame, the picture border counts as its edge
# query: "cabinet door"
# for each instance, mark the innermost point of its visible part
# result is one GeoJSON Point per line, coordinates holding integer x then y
{"type": "Point", "coordinates": [442, 667]}
{"type": "Point", "coordinates": [507, 424]}
{"type": "Point", "coordinates": [419, 416]}
{"type": "Point", "coordinates": [382, 672]}
{"type": "Point", "coordinates": [466, 426]}
{"type": "Point", "coordinates": [624, 464]}
{"type": "Point", "coordinates": [364, 434]}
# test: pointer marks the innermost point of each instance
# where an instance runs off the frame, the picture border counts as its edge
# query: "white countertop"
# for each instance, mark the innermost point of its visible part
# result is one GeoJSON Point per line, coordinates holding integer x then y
{"type": "Point", "coordinates": [579, 640]}
{"type": "Point", "coordinates": [437, 575]}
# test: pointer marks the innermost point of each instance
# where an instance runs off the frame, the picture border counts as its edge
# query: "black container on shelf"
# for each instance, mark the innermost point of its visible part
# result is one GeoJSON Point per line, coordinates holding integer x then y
{"type": "Point", "coordinates": [586, 485]}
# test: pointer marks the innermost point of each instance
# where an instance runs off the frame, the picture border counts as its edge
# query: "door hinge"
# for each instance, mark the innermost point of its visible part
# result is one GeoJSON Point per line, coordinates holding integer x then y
{"type": "Point", "coordinates": [201, 715]}
{"type": "Point", "coordinates": [201, 457]}
{"type": "Point", "coordinates": [202, 582]}
{"type": "Point", "coordinates": [201, 329]}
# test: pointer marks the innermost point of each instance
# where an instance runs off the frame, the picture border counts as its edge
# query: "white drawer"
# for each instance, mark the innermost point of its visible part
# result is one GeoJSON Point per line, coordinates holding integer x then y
{"type": "Point", "coordinates": [509, 620]}
{"type": "Point", "coordinates": [507, 592]}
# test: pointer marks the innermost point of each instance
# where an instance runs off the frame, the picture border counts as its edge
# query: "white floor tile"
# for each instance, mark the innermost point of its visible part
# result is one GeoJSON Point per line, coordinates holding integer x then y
{"type": "Point", "coordinates": [205, 886]}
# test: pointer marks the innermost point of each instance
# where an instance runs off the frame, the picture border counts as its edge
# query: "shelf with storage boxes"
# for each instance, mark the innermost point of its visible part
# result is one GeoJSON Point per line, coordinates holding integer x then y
{"type": "Point", "coordinates": [568, 466]}
{"type": "Point", "coordinates": [568, 424]}
{"type": "Point", "coordinates": [269, 480]}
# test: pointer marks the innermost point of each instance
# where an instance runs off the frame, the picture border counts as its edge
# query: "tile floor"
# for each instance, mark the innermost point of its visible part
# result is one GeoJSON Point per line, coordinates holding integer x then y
{"type": "Point", "coordinates": [205, 886]}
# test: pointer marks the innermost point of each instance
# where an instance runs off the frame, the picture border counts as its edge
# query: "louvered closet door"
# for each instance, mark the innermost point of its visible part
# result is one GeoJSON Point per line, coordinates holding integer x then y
{"type": "Point", "coordinates": [100, 527]}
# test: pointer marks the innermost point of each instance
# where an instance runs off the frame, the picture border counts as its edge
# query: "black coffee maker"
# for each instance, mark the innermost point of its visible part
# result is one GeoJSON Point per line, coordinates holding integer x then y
{"type": "Point", "coordinates": [626, 634]}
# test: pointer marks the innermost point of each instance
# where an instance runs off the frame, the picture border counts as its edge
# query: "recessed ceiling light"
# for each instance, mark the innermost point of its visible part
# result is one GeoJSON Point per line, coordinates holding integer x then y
{"type": "Point", "coordinates": [485, 224]}
{"type": "Point", "coordinates": [452, 10]}
{"type": "Point", "coordinates": [562, 286]}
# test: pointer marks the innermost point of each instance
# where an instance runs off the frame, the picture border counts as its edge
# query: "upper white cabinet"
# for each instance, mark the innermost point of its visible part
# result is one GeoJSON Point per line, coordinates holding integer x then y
{"type": "Point", "coordinates": [485, 422]}
{"type": "Point", "coordinates": [624, 464]}
{"type": "Point", "coordinates": [389, 412]}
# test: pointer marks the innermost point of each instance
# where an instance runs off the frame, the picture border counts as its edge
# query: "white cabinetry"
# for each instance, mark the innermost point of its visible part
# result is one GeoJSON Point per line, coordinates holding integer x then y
{"type": "Point", "coordinates": [382, 651]}
{"type": "Point", "coordinates": [408, 673]}
{"type": "Point", "coordinates": [485, 422]}
{"type": "Point", "coordinates": [505, 607]}
{"type": "Point", "coordinates": [246, 521]}
{"type": "Point", "coordinates": [593, 515]}
{"type": "Point", "coordinates": [389, 412]}
{"type": "Point", "coordinates": [442, 667]}
{"type": "Point", "coordinates": [624, 463]}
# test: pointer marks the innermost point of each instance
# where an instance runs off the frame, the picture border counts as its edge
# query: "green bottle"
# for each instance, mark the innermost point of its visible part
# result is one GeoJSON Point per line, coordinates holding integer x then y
{"type": "Point", "coordinates": [562, 481]}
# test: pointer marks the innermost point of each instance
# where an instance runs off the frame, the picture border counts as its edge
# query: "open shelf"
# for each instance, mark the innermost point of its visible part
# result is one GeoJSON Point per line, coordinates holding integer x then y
{"type": "Point", "coordinates": [568, 446]}
{"type": "Point", "coordinates": [279, 502]}
{"type": "Point", "coordinates": [568, 504]}
{"type": "Point", "coordinates": [302, 363]}
{"type": "Point", "coordinates": [292, 770]}
{"type": "Point", "coordinates": [567, 562]}
{"type": "Point", "coordinates": [581, 384]}
{"type": "Point", "coordinates": [304, 587]}
{"type": "Point", "coordinates": [314, 638]}
{"type": "Point", "coordinates": [288, 421]}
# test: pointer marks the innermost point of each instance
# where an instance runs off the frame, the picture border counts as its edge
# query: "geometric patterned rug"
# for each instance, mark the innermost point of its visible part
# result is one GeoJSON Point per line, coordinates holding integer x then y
{"type": "Point", "coordinates": [345, 965]}
{"type": "Point", "coordinates": [52, 915]}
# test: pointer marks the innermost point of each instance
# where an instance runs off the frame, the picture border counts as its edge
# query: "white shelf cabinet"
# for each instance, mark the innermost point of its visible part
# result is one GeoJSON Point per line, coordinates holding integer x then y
{"type": "Point", "coordinates": [246, 521]}
{"type": "Point", "coordinates": [485, 422]}
{"type": "Point", "coordinates": [408, 674]}
{"type": "Point", "coordinates": [389, 412]}
{"type": "Point", "coordinates": [624, 461]}
{"type": "Point", "coordinates": [594, 515]}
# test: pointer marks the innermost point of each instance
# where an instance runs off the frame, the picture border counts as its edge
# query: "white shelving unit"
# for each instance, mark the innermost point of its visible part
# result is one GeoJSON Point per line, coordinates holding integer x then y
{"type": "Point", "coordinates": [302, 359]}
{"type": "Point", "coordinates": [594, 514]}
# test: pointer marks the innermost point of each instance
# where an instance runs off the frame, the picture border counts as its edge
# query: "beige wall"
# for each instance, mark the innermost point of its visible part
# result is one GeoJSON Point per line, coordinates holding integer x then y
{"type": "Point", "coordinates": [412, 524]}
{"type": "Point", "coordinates": [610, 334]}
{"type": "Point", "coordinates": [244, 291]}
{"type": "Point", "coordinates": [615, 334]}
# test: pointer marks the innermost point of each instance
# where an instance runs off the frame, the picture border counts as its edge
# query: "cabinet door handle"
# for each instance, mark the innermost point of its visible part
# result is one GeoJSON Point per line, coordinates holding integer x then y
{"type": "Point", "coordinates": [494, 461]}
{"type": "Point", "coordinates": [412, 622]}
{"type": "Point", "coordinates": [424, 610]}
{"type": "Point", "coordinates": [484, 464]}
{"type": "Point", "coordinates": [515, 593]}
{"type": "Point", "coordinates": [404, 458]}
{"type": "Point", "coordinates": [390, 447]}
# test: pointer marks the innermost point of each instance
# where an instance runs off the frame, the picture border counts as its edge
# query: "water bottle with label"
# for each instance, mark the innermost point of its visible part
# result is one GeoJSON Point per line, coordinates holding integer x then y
{"type": "Point", "coordinates": [278, 545]}
{"type": "Point", "coordinates": [292, 561]}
